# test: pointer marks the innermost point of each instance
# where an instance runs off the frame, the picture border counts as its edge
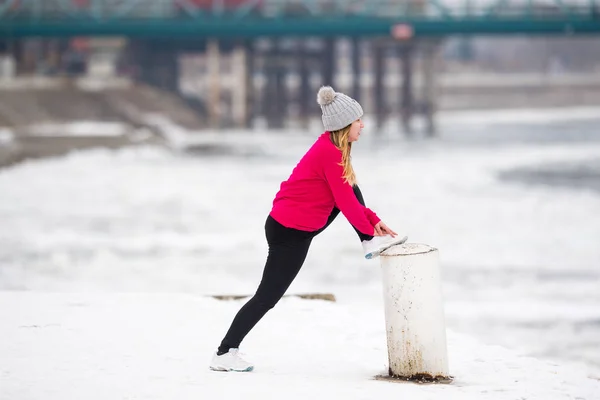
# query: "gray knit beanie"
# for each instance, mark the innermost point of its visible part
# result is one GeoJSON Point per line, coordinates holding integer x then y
{"type": "Point", "coordinates": [338, 109]}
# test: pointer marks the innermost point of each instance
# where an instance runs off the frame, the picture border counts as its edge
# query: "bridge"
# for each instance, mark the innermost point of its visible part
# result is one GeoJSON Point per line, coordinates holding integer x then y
{"type": "Point", "coordinates": [278, 18]}
{"type": "Point", "coordinates": [278, 38]}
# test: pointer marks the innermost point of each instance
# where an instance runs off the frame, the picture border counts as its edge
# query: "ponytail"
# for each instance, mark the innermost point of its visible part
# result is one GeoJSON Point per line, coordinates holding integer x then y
{"type": "Point", "coordinates": [340, 139]}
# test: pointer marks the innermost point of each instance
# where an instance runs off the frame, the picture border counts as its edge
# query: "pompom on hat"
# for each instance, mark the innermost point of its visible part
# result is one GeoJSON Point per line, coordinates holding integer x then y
{"type": "Point", "coordinates": [339, 110]}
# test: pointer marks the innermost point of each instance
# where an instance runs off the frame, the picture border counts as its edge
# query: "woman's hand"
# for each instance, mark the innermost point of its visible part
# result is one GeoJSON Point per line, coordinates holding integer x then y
{"type": "Point", "coordinates": [382, 229]}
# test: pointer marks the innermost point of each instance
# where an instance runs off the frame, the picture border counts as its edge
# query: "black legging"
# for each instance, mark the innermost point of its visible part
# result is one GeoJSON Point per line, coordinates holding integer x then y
{"type": "Point", "coordinates": [287, 251]}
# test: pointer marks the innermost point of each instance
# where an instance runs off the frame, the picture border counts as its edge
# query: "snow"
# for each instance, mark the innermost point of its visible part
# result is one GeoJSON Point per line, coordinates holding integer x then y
{"type": "Point", "coordinates": [31, 82]}
{"type": "Point", "coordinates": [541, 116]}
{"type": "Point", "coordinates": [129, 346]}
{"type": "Point", "coordinates": [523, 79]}
{"type": "Point", "coordinates": [6, 136]}
{"type": "Point", "coordinates": [79, 128]}
{"type": "Point", "coordinates": [177, 137]}
{"type": "Point", "coordinates": [86, 83]}
{"type": "Point", "coordinates": [101, 83]}
{"type": "Point", "coordinates": [519, 267]}
{"type": "Point", "coordinates": [408, 249]}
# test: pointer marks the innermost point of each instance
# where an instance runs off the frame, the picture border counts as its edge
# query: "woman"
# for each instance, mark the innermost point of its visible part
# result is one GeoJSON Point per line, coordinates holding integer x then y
{"type": "Point", "coordinates": [321, 185]}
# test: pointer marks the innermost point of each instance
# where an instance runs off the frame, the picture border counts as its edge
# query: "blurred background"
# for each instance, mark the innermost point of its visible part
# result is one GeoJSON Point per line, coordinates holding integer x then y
{"type": "Point", "coordinates": [142, 143]}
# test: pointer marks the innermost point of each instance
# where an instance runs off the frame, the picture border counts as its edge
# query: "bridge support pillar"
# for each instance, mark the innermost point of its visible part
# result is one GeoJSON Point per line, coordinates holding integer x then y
{"type": "Point", "coordinates": [158, 64]}
{"type": "Point", "coordinates": [407, 107]}
{"type": "Point", "coordinates": [424, 102]}
{"type": "Point", "coordinates": [52, 51]}
{"type": "Point", "coordinates": [243, 87]}
{"type": "Point", "coordinates": [305, 90]}
{"type": "Point", "coordinates": [25, 54]}
{"type": "Point", "coordinates": [7, 61]}
{"type": "Point", "coordinates": [213, 60]}
{"type": "Point", "coordinates": [275, 98]}
{"type": "Point", "coordinates": [430, 85]}
{"type": "Point", "coordinates": [356, 69]}
{"type": "Point", "coordinates": [379, 88]}
{"type": "Point", "coordinates": [328, 65]}
{"type": "Point", "coordinates": [249, 78]}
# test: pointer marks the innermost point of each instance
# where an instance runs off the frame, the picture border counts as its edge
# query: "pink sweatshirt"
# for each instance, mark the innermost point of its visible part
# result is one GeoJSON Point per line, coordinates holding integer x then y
{"type": "Point", "coordinates": [315, 186]}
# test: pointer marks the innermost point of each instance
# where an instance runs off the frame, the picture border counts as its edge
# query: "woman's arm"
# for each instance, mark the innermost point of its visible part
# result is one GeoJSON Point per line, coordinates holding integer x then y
{"type": "Point", "coordinates": [371, 216]}
{"type": "Point", "coordinates": [344, 196]}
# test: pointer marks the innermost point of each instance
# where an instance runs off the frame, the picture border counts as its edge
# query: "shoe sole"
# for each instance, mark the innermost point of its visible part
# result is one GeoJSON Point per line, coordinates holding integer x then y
{"type": "Point", "coordinates": [375, 254]}
{"type": "Point", "coordinates": [231, 369]}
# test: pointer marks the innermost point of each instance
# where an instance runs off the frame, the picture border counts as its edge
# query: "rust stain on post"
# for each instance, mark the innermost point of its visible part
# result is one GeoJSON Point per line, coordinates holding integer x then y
{"type": "Point", "coordinates": [416, 378]}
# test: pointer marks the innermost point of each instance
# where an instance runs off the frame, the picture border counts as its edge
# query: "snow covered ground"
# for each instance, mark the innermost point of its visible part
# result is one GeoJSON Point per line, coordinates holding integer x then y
{"type": "Point", "coordinates": [79, 128]}
{"type": "Point", "coordinates": [520, 266]}
{"type": "Point", "coordinates": [6, 136]}
{"type": "Point", "coordinates": [157, 346]}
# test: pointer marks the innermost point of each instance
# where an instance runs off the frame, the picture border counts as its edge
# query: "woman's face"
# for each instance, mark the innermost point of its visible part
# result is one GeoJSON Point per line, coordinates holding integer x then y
{"type": "Point", "coordinates": [355, 129]}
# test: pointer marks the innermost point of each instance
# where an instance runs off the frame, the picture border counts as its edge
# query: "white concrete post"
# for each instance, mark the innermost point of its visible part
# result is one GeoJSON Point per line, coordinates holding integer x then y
{"type": "Point", "coordinates": [414, 314]}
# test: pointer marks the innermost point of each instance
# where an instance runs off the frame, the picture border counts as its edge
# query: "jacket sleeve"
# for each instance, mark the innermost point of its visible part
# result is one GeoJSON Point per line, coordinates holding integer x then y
{"type": "Point", "coordinates": [344, 196]}
{"type": "Point", "coordinates": [371, 216]}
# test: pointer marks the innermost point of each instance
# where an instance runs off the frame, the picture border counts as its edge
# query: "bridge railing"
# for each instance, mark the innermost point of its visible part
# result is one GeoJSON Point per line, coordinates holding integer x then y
{"type": "Point", "coordinates": [110, 10]}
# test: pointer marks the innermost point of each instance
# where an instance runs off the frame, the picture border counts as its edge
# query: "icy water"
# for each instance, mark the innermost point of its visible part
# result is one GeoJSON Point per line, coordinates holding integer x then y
{"type": "Point", "coordinates": [511, 200]}
{"type": "Point", "coordinates": [580, 174]}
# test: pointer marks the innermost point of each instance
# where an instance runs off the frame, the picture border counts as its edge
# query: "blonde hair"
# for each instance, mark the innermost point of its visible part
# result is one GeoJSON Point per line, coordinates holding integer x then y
{"type": "Point", "coordinates": [340, 139]}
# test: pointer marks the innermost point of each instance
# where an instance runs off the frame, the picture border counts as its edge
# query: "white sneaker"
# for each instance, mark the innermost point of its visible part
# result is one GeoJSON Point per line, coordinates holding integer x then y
{"type": "Point", "coordinates": [230, 361]}
{"type": "Point", "coordinates": [374, 247]}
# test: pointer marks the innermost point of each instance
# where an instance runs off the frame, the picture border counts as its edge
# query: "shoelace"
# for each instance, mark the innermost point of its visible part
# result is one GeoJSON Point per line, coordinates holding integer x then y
{"type": "Point", "coordinates": [237, 356]}
{"type": "Point", "coordinates": [236, 352]}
